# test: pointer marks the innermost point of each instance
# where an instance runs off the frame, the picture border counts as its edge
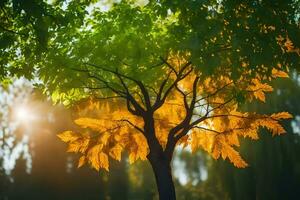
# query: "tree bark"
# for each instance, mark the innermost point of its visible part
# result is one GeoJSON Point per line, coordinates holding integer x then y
{"type": "Point", "coordinates": [160, 162]}
{"type": "Point", "coordinates": [163, 176]}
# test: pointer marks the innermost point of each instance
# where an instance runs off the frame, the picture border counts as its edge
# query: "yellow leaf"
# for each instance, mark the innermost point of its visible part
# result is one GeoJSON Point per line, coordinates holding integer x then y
{"type": "Point", "coordinates": [233, 139]}
{"type": "Point", "coordinates": [235, 157]}
{"type": "Point", "coordinates": [91, 123]}
{"type": "Point", "coordinates": [103, 161]}
{"type": "Point", "coordinates": [221, 147]}
{"type": "Point", "coordinates": [103, 138]}
{"type": "Point", "coordinates": [251, 133]}
{"type": "Point", "coordinates": [68, 136]}
{"type": "Point", "coordinates": [272, 125]}
{"type": "Point", "coordinates": [279, 74]}
{"type": "Point", "coordinates": [260, 95]}
{"type": "Point", "coordinates": [93, 156]}
{"type": "Point", "coordinates": [73, 147]}
{"type": "Point", "coordinates": [259, 89]}
{"type": "Point", "coordinates": [132, 157]}
{"type": "Point", "coordinates": [81, 161]}
{"type": "Point", "coordinates": [116, 152]}
{"type": "Point", "coordinates": [281, 115]}
{"type": "Point", "coordinates": [79, 145]}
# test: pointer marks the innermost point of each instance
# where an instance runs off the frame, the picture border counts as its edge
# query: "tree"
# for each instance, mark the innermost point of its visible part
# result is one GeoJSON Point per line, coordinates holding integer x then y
{"type": "Point", "coordinates": [163, 74]}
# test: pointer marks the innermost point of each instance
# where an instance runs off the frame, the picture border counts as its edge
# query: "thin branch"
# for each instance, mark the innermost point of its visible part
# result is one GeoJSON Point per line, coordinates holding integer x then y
{"type": "Point", "coordinates": [223, 132]}
{"type": "Point", "coordinates": [121, 93]}
{"type": "Point", "coordinates": [139, 83]}
{"type": "Point", "coordinates": [173, 137]}
{"type": "Point", "coordinates": [160, 91]}
{"type": "Point", "coordinates": [157, 65]}
{"type": "Point", "coordinates": [207, 113]}
{"type": "Point", "coordinates": [206, 129]}
{"type": "Point", "coordinates": [189, 112]}
{"type": "Point", "coordinates": [169, 65]}
{"type": "Point", "coordinates": [118, 92]}
{"type": "Point", "coordinates": [160, 100]}
{"type": "Point", "coordinates": [215, 92]}
{"type": "Point", "coordinates": [237, 116]}
{"type": "Point", "coordinates": [133, 125]}
{"type": "Point", "coordinates": [92, 88]}
{"type": "Point", "coordinates": [108, 97]}
{"type": "Point", "coordinates": [221, 105]}
{"type": "Point", "coordinates": [136, 105]}
{"type": "Point", "coordinates": [151, 88]}
{"type": "Point", "coordinates": [194, 96]}
{"type": "Point", "coordinates": [125, 94]}
{"type": "Point", "coordinates": [107, 130]}
{"type": "Point", "coordinates": [186, 105]}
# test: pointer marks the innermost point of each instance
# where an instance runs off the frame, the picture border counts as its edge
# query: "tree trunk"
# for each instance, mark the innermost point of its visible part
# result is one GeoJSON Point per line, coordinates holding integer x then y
{"type": "Point", "coordinates": [159, 161]}
{"type": "Point", "coordinates": [163, 177]}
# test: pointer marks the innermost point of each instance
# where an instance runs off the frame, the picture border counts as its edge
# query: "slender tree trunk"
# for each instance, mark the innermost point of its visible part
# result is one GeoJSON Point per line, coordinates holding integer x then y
{"type": "Point", "coordinates": [160, 162]}
{"type": "Point", "coordinates": [163, 176]}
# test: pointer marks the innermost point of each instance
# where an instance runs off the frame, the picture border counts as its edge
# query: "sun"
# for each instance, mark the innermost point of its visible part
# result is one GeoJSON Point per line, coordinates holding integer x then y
{"type": "Point", "coordinates": [23, 114]}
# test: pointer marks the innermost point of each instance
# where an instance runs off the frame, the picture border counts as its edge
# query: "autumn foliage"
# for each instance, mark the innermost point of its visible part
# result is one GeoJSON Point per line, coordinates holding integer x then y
{"type": "Point", "coordinates": [216, 124]}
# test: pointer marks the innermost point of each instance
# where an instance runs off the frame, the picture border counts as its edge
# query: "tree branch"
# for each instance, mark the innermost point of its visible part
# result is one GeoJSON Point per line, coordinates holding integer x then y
{"type": "Point", "coordinates": [136, 127]}
{"type": "Point", "coordinates": [184, 125]}
{"type": "Point", "coordinates": [139, 83]}
{"type": "Point", "coordinates": [180, 75]}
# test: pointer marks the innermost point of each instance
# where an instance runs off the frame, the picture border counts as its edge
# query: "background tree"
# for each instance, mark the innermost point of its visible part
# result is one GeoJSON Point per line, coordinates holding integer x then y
{"type": "Point", "coordinates": [13, 144]}
{"type": "Point", "coordinates": [197, 60]}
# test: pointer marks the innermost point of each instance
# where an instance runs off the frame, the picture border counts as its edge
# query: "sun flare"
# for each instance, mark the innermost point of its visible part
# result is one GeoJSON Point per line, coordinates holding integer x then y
{"type": "Point", "coordinates": [23, 114]}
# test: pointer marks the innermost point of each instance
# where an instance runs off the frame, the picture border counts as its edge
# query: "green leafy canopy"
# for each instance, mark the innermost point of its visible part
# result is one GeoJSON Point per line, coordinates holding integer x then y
{"type": "Point", "coordinates": [57, 41]}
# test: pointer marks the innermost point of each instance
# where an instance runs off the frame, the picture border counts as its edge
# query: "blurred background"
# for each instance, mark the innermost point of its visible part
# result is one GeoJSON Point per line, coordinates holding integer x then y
{"type": "Point", "coordinates": [34, 163]}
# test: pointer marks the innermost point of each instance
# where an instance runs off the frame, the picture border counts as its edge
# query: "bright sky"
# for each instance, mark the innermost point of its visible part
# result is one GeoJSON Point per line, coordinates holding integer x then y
{"type": "Point", "coordinates": [15, 95]}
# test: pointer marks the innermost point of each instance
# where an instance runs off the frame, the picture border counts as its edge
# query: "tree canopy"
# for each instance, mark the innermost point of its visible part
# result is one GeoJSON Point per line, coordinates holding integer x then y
{"type": "Point", "coordinates": [161, 73]}
{"type": "Point", "coordinates": [39, 36]}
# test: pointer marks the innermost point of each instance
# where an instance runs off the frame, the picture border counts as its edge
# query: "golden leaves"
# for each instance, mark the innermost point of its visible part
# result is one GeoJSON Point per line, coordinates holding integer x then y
{"type": "Point", "coordinates": [202, 139]}
{"type": "Point", "coordinates": [93, 154]}
{"type": "Point", "coordinates": [287, 45]}
{"type": "Point", "coordinates": [259, 89]}
{"type": "Point", "coordinates": [222, 140]}
{"type": "Point", "coordinates": [233, 156]}
{"type": "Point", "coordinates": [113, 129]}
{"type": "Point", "coordinates": [93, 124]}
{"type": "Point", "coordinates": [138, 149]}
{"type": "Point", "coordinates": [82, 161]}
{"type": "Point", "coordinates": [97, 158]}
{"type": "Point", "coordinates": [68, 136]}
{"type": "Point", "coordinates": [79, 145]}
{"type": "Point", "coordinates": [233, 139]}
{"type": "Point", "coordinates": [279, 74]}
{"type": "Point", "coordinates": [116, 152]}
{"type": "Point", "coordinates": [281, 115]}
{"type": "Point", "coordinates": [272, 125]}
{"type": "Point", "coordinates": [107, 137]}
{"type": "Point", "coordinates": [218, 145]}
{"type": "Point", "coordinates": [103, 161]}
{"type": "Point", "coordinates": [223, 149]}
